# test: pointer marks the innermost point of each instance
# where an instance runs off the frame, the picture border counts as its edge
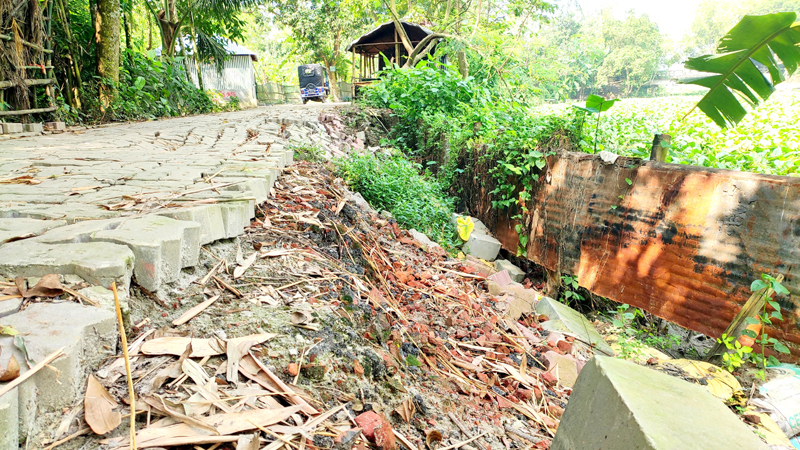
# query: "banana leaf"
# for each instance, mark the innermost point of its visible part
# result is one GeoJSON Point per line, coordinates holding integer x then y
{"type": "Point", "coordinates": [750, 60]}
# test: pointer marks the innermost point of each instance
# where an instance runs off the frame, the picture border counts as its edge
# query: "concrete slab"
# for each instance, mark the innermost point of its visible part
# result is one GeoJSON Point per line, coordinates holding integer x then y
{"type": "Point", "coordinates": [209, 217]}
{"type": "Point", "coordinates": [96, 262]}
{"type": "Point", "coordinates": [564, 318]}
{"type": "Point", "coordinates": [9, 421]}
{"type": "Point", "coordinates": [514, 272]}
{"type": "Point", "coordinates": [87, 334]}
{"type": "Point", "coordinates": [482, 245]}
{"type": "Point", "coordinates": [75, 212]}
{"type": "Point", "coordinates": [14, 229]}
{"type": "Point", "coordinates": [162, 247]}
{"type": "Point", "coordinates": [11, 128]}
{"type": "Point", "coordinates": [619, 405]}
{"type": "Point", "coordinates": [33, 127]}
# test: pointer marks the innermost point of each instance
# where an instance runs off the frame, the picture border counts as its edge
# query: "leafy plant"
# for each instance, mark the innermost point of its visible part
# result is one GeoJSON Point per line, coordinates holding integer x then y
{"type": "Point", "coordinates": [765, 318]}
{"type": "Point", "coordinates": [736, 355]}
{"type": "Point", "coordinates": [596, 104]}
{"type": "Point", "coordinates": [755, 42]}
{"type": "Point", "coordinates": [623, 319]}
{"type": "Point", "coordinates": [571, 289]}
{"type": "Point", "coordinates": [307, 152]}
{"type": "Point", "coordinates": [393, 183]}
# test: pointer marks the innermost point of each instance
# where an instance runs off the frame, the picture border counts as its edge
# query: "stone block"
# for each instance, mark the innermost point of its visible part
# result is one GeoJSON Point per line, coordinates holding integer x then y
{"type": "Point", "coordinates": [9, 306]}
{"type": "Point", "coordinates": [212, 226]}
{"type": "Point", "coordinates": [99, 263]}
{"type": "Point", "coordinates": [235, 216]}
{"type": "Point", "coordinates": [514, 272]}
{"type": "Point", "coordinates": [162, 247]}
{"type": "Point", "coordinates": [619, 405]}
{"type": "Point", "coordinates": [33, 127]}
{"type": "Point", "coordinates": [482, 245]}
{"type": "Point", "coordinates": [15, 229]}
{"type": "Point", "coordinates": [88, 336]}
{"type": "Point", "coordinates": [55, 126]}
{"type": "Point", "coordinates": [563, 318]}
{"type": "Point", "coordinates": [105, 297]}
{"type": "Point", "coordinates": [9, 420]}
{"type": "Point", "coordinates": [520, 300]}
{"type": "Point", "coordinates": [72, 213]}
{"type": "Point", "coordinates": [11, 128]}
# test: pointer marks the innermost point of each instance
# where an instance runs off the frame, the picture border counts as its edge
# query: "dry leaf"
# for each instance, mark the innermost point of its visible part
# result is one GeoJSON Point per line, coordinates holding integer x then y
{"type": "Point", "coordinates": [406, 410]}
{"type": "Point", "coordinates": [197, 309]}
{"type": "Point", "coordinates": [48, 286]}
{"type": "Point", "coordinates": [239, 271]}
{"type": "Point", "coordinates": [301, 317]}
{"type": "Point", "coordinates": [173, 345]}
{"type": "Point", "coordinates": [11, 371]}
{"type": "Point", "coordinates": [98, 405]}
{"type": "Point", "coordinates": [433, 437]}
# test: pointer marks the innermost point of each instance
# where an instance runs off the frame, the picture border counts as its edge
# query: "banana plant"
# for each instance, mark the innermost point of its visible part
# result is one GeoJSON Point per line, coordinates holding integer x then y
{"type": "Point", "coordinates": [750, 60]}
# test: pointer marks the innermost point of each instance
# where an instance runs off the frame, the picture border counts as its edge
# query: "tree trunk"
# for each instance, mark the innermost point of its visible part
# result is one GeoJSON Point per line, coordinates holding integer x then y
{"type": "Point", "coordinates": [108, 13]}
{"type": "Point", "coordinates": [149, 32]}
{"type": "Point", "coordinates": [127, 26]}
{"type": "Point", "coordinates": [463, 65]}
{"type": "Point", "coordinates": [74, 71]}
{"type": "Point", "coordinates": [196, 58]}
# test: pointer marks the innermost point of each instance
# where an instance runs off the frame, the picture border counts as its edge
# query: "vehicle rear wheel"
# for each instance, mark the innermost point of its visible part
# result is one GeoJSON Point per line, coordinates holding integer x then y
{"type": "Point", "coordinates": [305, 100]}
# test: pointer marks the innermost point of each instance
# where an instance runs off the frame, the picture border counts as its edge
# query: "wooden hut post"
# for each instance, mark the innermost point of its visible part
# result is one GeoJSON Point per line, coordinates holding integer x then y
{"type": "Point", "coordinates": [396, 48]}
{"type": "Point", "coordinates": [353, 76]}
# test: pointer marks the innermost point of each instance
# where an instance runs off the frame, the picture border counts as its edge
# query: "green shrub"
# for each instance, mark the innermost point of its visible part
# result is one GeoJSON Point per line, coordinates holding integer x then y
{"type": "Point", "coordinates": [395, 184]}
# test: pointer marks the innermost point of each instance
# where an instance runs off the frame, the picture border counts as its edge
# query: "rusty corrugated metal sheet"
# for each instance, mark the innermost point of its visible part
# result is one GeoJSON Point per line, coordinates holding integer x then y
{"type": "Point", "coordinates": [683, 243]}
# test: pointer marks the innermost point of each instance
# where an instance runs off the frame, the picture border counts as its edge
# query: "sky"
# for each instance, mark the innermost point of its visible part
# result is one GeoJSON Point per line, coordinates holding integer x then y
{"type": "Point", "coordinates": [672, 16]}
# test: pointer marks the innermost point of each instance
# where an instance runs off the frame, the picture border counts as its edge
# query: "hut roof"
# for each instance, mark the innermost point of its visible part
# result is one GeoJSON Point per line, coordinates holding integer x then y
{"type": "Point", "coordinates": [381, 38]}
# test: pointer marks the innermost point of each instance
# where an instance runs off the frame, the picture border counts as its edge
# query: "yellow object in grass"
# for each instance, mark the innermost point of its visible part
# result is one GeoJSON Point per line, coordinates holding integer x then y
{"type": "Point", "coordinates": [464, 225]}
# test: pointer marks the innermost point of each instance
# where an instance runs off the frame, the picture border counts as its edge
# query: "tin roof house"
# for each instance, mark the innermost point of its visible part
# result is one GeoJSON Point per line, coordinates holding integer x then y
{"type": "Point", "coordinates": [236, 79]}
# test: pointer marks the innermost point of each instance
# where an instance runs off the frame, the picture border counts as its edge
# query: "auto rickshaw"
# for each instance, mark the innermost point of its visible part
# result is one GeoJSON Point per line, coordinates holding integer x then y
{"type": "Point", "coordinates": [313, 82]}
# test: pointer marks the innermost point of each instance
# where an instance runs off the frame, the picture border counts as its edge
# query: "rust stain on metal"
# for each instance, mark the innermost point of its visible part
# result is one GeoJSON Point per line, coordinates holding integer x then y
{"type": "Point", "coordinates": [681, 242]}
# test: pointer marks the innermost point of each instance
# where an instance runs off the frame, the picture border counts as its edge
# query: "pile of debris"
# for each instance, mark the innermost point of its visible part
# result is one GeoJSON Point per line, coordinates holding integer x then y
{"type": "Point", "coordinates": [379, 340]}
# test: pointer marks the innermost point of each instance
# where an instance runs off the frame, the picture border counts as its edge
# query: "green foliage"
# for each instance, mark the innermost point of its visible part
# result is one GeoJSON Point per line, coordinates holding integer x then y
{"type": "Point", "coordinates": [426, 95]}
{"type": "Point", "coordinates": [307, 152]}
{"type": "Point", "coordinates": [393, 183]}
{"type": "Point", "coordinates": [571, 287]}
{"type": "Point", "coordinates": [151, 88]}
{"type": "Point", "coordinates": [736, 353]}
{"type": "Point", "coordinates": [630, 346]}
{"type": "Point", "coordinates": [635, 48]}
{"type": "Point", "coordinates": [761, 40]}
{"type": "Point", "coordinates": [766, 141]}
{"type": "Point", "coordinates": [596, 104]}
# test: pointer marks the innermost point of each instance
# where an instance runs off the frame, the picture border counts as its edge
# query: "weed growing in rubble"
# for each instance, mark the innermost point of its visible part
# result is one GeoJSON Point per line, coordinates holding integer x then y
{"type": "Point", "coordinates": [738, 352]}
{"type": "Point", "coordinates": [571, 289]}
{"type": "Point", "coordinates": [307, 152]}
{"type": "Point", "coordinates": [393, 183]}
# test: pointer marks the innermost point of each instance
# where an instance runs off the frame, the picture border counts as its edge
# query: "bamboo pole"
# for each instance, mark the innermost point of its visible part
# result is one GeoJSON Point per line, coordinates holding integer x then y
{"type": "Point", "coordinates": [131, 393]}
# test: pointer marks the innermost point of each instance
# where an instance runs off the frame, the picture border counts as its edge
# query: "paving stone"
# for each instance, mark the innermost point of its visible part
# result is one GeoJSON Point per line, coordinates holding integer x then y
{"type": "Point", "coordinates": [33, 127]}
{"type": "Point", "coordinates": [12, 128]}
{"type": "Point", "coordinates": [514, 272]}
{"type": "Point", "coordinates": [98, 263]}
{"type": "Point", "coordinates": [9, 306]}
{"type": "Point", "coordinates": [9, 419]}
{"type": "Point", "coordinates": [563, 318]}
{"type": "Point", "coordinates": [162, 247]}
{"type": "Point", "coordinates": [105, 297]}
{"type": "Point", "coordinates": [14, 229]}
{"type": "Point", "coordinates": [483, 246]}
{"type": "Point", "coordinates": [619, 405]}
{"type": "Point", "coordinates": [88, 336]}
{"type": "Point", "coordinates": [75, 212]}
{"type": "Point", "coordinates": [209, 217]}
{"type": "Point", "coordinates": [55, 126]}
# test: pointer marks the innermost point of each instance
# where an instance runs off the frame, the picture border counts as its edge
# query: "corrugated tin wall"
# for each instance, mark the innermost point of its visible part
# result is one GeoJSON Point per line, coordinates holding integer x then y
{"type": "Point", "coordinates": [237, 78]}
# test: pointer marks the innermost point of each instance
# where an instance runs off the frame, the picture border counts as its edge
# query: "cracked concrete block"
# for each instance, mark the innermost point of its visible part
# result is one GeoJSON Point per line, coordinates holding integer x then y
{"type": "Point", "coordinates": [34, 127]}
{"type": "Point", "coordinates": [235, 216]}
{"type": "Point", "coordinates": [619, 405]}
{"type": "Point", "coordinates": [55, 126]}
{"type": "Point", "coordinates": [563, 318]}
{"type": "Point", "coordinates": [257, 187]}
{"type": "Point", "coordinates": [98, 263]}
{"type": "Point", "coordinates": [162, 247]}
{"type": "Point", "coordinates": [14, 229]}
{"type": "Point", "coordinates": [9, 420]}
{"type": "Point", "coordinates": [514, 272]}
{"type": "Point", "coordinates": [212, 226]}
{"type": "Point", "coordinates": [88, 336]}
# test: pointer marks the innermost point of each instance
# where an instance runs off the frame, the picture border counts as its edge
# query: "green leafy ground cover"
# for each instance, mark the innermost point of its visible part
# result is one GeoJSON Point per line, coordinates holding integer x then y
{"type": "Point", "coordinates": [766, 141]}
